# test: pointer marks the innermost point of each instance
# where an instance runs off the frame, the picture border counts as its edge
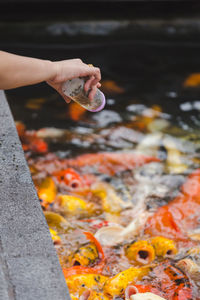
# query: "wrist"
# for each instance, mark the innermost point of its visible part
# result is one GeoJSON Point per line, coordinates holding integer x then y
{"type": "Point", "coordinates": [51, 69]}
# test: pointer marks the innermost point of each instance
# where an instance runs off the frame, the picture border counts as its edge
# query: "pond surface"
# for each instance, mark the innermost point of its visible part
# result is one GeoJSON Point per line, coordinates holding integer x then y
{"type": "Point", "coordinates": [149, 74]}
{"type": "Point", "coordinates": [152, 114]}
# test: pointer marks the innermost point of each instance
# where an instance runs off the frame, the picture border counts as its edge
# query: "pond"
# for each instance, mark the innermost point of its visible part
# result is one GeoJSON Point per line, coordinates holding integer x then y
{"type": "Point", "coordinates": [140, 152]}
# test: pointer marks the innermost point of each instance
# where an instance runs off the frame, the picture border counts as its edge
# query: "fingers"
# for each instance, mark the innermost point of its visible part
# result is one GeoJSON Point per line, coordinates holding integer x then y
{"type": "Point", "coordinates": [97, 75]}
{"type": "Point", "coordinates": [88, 83]}
{"type": "Point", "coordinates": [92, 89]}
{"type": "Point", "coordinates": [93, 72]}
{"type": "Point", "coordinates": [92, 92]}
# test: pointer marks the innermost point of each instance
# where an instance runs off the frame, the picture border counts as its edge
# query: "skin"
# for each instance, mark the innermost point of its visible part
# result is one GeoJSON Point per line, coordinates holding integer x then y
{"type": "Point", "coordinates": [17, 71]}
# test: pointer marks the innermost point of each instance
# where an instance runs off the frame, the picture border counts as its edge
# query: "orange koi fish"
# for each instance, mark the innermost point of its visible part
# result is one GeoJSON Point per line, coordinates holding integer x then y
{"type": "Point", "coordinates": [72, 179]}
{"type": "Point", "coordinates": [35, 145]}
{"type": "Point", "coordinates": [182, 213]}
{"type": "Point", "coordinates": [29, 140]}
{"type": "Point", "coordinates": [173, 282]}
{"type": "Point", "coordinates": [76, 111]}
{"type": "Point", "coordinates": [20, 129]}
{"type": "Point", "coordinates": [111, 163]}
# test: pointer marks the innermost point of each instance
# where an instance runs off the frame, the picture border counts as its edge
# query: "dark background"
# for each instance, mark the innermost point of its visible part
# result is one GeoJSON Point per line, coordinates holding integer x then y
{"type": "Point", "coordinates": [23, 24]}
{"type": "Point", "coordinates": [38, 9]}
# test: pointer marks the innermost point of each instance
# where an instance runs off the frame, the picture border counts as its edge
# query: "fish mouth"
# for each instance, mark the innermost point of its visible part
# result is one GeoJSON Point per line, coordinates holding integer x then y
{"type": "Point", "coordinates": [143, 257]}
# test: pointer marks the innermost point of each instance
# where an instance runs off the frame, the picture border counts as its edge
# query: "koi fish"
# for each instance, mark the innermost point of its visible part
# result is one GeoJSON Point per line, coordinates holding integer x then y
{"type": "Point", "coordinates": [173, 282]}
{"type": "Point", "coordinates": [143, 122]}
{"type": "Point", "coordinates": [71, 205]}
{"type": "Point", "coordinates": [72, 179]}
{"type": "Point", "coordinates": [35, 145]}
{"type": "Point", "coordinates": [76, 112]}
{"type": "Point", "coordinates": [110, 201]}
{"type": "Point", "coordinates": [111, 163]}
{"type": "Point", "coordinates": [140, 252]}
{"type": "Point", "coordinates": [47, 191]}
{"type": "Point", "coordinates": [93, 295]}
{"type": "Point", "coordinates": [111, 87]}
{"type": "Point", "coordinates": [170, 283]}
{"type": "Point", "coordinates": [97, 269]}
{"type": "Point", "coordinates": [115, 286]}
{"type": "Point", "coordinates": [21, 129]}
{"type": "Point", "coordinates": [181, 214]}
{"type": "Point", "coordinates": [55, 237]}
{"type": "Point", "coordinates": [56, 221]}
{"type": "Point", "coordinates": [79, 283]}
{"type": "Point", "coordinates": [84, 256]}
{"type": "Point", "coordinates": [30, 141]}
{"type": "Point", "coordinates": [163, 247]}
{"type": "Point", "coordinates": [193, 80]}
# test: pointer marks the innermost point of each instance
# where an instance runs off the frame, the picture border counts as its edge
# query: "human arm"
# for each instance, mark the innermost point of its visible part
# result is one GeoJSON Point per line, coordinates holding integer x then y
{"type": "Point", "coordinates": [17, 71]}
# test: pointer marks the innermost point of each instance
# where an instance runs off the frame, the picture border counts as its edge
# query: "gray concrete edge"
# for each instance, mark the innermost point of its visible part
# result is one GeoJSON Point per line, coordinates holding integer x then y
{"type": "Point", "coordinates": [29, 266]}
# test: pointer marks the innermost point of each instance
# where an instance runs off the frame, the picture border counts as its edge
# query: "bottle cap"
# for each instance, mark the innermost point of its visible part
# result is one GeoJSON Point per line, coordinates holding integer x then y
{"type": "Point", "coordinates": [103, 102]}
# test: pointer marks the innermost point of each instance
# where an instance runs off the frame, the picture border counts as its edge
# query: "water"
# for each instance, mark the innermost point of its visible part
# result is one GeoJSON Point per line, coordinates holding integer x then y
{"type": "Point", "coordinates": [149, 110]}
{"type": "Point", "coordinates": [149, 74]}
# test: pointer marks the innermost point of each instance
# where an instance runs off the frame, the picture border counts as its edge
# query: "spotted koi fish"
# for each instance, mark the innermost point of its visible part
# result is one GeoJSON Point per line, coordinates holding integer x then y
{"type": "Point", "coordinates": [170, 283]}
{"type": "Point", "coordinates": [173, 282]}
{"type": "Point", "coordinates": [73, 180]}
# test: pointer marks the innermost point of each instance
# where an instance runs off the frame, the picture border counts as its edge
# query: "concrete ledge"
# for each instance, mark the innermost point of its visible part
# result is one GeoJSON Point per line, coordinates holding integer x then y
{"type": "Point", "coordinates": [29, 266]}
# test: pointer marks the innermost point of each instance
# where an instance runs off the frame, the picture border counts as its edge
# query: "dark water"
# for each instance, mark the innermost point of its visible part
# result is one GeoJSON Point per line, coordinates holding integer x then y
{"type": "Point", "coordinates": [149, 73]}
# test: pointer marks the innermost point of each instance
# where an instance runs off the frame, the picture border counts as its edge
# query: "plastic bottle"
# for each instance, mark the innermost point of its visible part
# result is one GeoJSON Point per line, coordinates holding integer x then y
{"type": "Point", "coordinates": [74, 89]}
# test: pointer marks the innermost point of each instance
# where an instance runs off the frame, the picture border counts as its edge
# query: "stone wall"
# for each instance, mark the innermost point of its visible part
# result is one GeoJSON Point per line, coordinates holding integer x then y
{"type": "Point", "coordinates": [29, 266]}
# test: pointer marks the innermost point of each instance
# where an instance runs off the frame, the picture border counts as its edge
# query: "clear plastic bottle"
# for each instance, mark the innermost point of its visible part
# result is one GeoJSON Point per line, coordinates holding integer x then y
{"type": "Point", "coordinates": [74, 89]}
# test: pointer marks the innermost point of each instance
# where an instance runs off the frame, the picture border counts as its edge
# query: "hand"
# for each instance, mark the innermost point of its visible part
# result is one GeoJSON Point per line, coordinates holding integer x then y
{"type": "Point", "coordinates": [72, 68]}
